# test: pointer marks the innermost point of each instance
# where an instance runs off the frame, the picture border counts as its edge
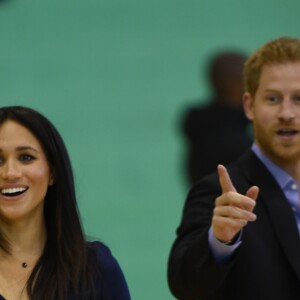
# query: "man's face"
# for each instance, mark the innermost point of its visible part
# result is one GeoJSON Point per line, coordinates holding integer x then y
{"type": "Point", "coordinates": [275, 112]}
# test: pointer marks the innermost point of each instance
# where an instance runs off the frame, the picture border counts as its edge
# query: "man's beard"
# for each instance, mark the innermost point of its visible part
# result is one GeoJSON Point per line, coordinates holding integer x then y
{"type": "Point", "coordinates": [279, 153]}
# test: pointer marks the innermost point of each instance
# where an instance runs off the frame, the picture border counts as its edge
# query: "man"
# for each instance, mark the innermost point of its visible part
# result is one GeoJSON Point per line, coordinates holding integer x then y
{"type": "Point", "coordinates": [239, 234]}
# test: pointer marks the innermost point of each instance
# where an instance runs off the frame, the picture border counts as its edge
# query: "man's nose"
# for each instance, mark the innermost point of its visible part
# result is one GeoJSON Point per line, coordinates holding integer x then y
{"type": "Point", "coordinates": [287, 111]}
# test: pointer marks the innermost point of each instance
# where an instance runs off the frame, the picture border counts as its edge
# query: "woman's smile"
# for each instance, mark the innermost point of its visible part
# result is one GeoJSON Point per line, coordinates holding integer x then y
{"type": "Point", "coordinates": [24, 173]}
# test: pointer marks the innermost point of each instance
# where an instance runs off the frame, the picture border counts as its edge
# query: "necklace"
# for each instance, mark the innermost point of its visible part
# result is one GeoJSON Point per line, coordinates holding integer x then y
{"type": "Point", "coordinates": [26, 263]}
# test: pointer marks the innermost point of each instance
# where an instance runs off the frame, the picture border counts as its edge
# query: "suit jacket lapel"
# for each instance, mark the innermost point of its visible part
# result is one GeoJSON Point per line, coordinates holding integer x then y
{"type": "Point", "coordinates": [280, 212]}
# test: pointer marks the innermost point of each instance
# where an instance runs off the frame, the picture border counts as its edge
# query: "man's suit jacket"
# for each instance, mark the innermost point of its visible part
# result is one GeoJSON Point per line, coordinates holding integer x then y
{"type": "Point", "coordinates": [267, 263]}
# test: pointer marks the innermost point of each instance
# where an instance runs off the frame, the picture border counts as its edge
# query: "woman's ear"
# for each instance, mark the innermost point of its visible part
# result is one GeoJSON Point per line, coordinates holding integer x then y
{"type": "Point", "coordinates": [248, 105]}
{"type": "Point", "coordinates": [51, 179]}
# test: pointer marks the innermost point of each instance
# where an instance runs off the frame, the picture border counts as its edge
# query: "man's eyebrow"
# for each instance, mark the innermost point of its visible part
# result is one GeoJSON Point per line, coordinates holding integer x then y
{"type": "Point", "coordinates": [271, 90]}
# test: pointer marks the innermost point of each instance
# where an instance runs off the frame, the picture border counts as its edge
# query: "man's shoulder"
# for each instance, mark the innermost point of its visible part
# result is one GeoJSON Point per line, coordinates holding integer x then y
{"type": "Point", "coordinates": [242, 172]}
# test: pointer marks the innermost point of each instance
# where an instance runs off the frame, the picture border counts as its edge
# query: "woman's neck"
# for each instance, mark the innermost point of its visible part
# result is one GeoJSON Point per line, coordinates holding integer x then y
{"type": "Point", "coordinates": [25, 238]}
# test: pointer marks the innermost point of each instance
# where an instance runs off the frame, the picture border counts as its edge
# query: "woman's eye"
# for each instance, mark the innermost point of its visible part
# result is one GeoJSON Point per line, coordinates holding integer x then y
{"type": "Point", "coordinates": [26, 157]}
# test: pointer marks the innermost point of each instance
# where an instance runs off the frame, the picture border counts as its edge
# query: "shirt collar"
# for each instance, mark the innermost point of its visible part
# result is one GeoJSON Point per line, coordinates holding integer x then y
{"type": "Point", "coordinates": [282, 177]}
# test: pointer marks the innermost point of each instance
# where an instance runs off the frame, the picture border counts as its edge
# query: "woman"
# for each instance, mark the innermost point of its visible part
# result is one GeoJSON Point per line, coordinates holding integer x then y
{"type": "Point", "coordinates": [43, 253]}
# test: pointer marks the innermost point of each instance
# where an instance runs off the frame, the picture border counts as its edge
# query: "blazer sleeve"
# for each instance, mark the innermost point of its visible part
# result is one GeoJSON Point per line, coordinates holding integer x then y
{"type": "Point", "coordinates": [192, 271]}
{"type": "Point", "coordinates": [113, 283]}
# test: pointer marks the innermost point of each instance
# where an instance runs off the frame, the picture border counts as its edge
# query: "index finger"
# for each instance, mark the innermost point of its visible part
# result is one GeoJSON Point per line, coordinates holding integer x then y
{"type": "Point", "coordinates": [225, 180]}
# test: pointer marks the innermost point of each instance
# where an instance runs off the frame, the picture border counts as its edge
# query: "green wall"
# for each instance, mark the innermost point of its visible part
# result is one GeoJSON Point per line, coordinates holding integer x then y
{"type": "Point", "coordinates": [114, 76]}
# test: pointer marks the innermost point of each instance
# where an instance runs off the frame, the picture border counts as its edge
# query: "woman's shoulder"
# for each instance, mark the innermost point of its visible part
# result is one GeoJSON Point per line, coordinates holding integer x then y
{"type": "Point", "coordinates": [113, 281]}
{"type": "Point", "coordinates": [104, 256]}
{"type": "Point", "coordinates": [99, 248]}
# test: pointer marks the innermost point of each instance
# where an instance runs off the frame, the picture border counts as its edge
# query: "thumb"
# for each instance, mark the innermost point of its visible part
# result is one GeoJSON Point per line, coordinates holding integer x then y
{"type": "Point", "coordinates": [252, 192]}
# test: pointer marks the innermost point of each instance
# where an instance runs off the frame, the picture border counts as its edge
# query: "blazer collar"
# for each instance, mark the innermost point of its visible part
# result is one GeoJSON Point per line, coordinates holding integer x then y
{"type": "Point", "coordinates": [279, 210]}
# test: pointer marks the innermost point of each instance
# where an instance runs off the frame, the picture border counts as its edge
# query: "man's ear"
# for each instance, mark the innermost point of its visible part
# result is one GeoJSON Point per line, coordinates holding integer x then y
{"type": "Point", "coordinates": [248, 105]}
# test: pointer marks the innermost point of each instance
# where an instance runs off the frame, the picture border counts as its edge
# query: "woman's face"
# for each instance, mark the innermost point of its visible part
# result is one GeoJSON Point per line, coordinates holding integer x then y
{"type": "Point", "coordinates": [24, 174]}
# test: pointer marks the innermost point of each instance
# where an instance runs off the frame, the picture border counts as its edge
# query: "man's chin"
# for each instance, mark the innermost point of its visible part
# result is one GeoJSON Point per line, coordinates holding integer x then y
{"type": "Point", "coordinates": [285, 157]}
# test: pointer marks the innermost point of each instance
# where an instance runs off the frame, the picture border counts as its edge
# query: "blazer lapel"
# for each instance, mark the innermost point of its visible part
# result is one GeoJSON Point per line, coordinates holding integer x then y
{"type": "Point", "coordinates": [280, 212]}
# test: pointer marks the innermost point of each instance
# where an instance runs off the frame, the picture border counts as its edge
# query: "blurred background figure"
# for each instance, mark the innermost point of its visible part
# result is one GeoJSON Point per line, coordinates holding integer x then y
{"type": "Point", "coordinates": [4, 1]}
{"type": "Point", "coordinates": [217, 131]}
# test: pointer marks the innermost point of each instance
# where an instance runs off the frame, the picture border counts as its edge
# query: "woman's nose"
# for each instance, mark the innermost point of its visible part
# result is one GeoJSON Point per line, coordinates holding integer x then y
{"type": "Point", "coordinates": [10, 170]}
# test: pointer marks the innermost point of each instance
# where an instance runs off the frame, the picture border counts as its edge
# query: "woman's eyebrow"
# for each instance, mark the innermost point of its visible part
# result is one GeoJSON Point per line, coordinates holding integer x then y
{"type": "Point", "coordinates": [22, 148]}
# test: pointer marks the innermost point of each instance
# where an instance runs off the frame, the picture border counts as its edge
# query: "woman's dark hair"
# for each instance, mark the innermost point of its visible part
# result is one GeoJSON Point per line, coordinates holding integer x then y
{"type": "Point", "coordinates": [65, 263]}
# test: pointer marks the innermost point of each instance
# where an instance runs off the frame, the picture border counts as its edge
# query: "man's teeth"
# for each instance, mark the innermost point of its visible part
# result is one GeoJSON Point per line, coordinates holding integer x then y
{"type": "Point", "coordinates": [287, 131]}
{"type": "Point", "coordinates": [13, 190]}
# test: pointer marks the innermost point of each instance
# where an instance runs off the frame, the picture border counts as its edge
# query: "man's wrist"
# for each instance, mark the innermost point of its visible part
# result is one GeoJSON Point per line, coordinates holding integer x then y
{"type": "Point", "coordinates": [232, 241]}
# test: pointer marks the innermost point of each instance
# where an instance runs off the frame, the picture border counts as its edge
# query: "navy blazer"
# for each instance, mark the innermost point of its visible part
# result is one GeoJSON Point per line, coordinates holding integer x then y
{"type": "Point", "coordinates": [111, 285]}
{"type": "Point", "coordinates": [267, 263]}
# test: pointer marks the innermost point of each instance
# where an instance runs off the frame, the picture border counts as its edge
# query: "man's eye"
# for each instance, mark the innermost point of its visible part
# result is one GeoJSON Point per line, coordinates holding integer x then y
{"type": "Point", "coordinates": [273, 99]}
{"type": "Point", "coordinates": [297, 98]}
{"type": "Point", "coordinates": [26, 157]}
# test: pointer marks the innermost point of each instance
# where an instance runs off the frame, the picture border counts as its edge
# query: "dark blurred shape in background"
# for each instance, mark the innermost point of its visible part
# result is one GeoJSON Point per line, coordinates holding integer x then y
{"type": "Point", "coordinates": [217, 132]}
{"type": "Point", "coordinates": [4, 1]}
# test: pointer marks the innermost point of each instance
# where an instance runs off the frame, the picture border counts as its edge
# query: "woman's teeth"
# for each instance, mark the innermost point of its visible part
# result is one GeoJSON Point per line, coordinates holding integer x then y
{"type": "Point", "coordinates": [13, 191]}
